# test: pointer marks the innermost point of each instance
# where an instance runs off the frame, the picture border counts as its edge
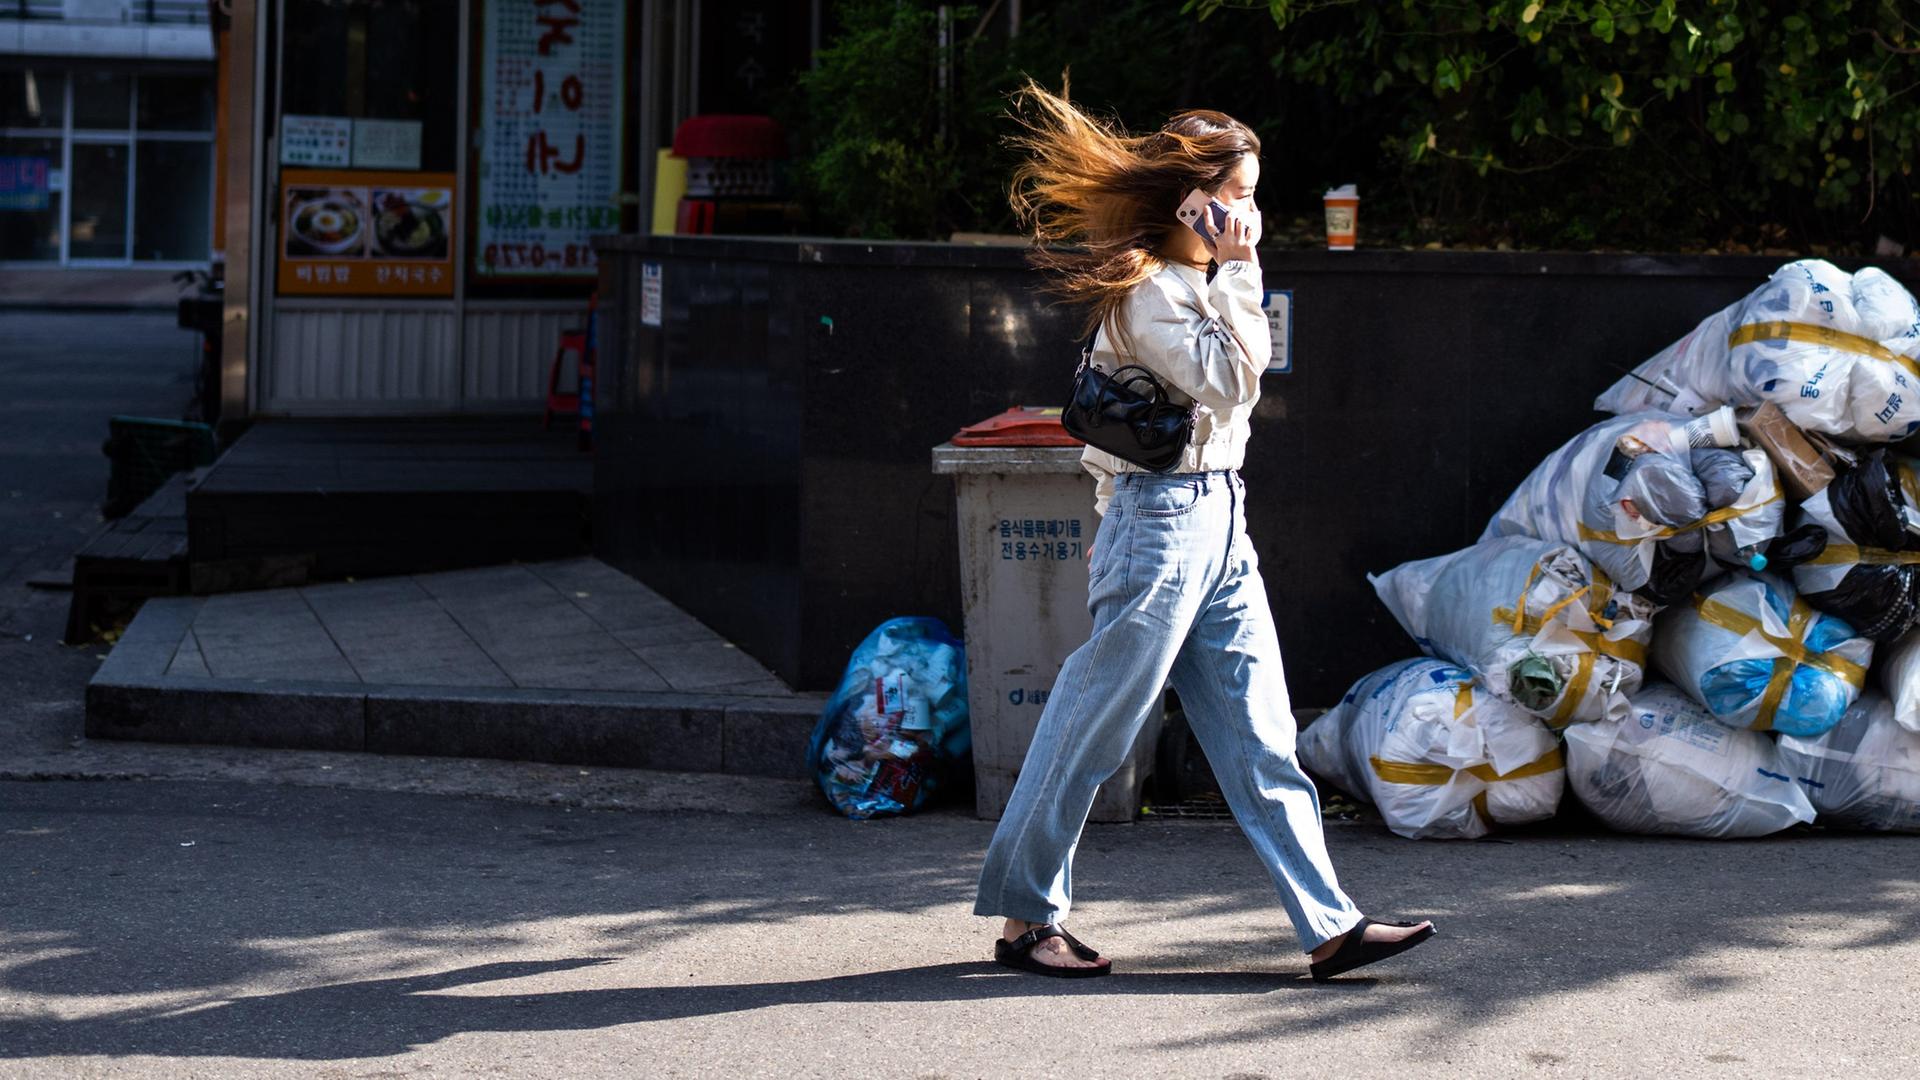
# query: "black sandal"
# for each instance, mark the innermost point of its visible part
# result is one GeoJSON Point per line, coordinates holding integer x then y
{"type": "Point", "coordinates": [1355, 951]}
{"type": "Point", "coordinates": [1018, 954]}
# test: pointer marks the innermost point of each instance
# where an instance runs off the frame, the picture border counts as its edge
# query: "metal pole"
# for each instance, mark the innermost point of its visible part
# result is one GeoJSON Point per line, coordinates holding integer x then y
{"type": "Point", "coordinates": [460, 172]}
{"type": "Point", "coordinates": [647, 100]}
{"type": "Point", "coordinates": [246, 69]}
{"type": "Point", "coordinates": [681, 10]}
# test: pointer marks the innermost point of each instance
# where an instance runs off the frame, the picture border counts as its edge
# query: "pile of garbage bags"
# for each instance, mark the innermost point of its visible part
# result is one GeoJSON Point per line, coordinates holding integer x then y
{"type": "Point", "coordinates": [1675, 615]}
{"type": "Point", "coordinates": [897, 723]}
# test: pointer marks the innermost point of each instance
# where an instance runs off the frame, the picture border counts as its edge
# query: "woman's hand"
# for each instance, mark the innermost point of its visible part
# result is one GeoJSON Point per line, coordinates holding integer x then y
{"type": "Point", "coordinates": [1232, 242]}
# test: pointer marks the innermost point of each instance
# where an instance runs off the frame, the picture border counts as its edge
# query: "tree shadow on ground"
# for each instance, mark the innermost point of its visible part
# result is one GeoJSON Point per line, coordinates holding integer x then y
{"type": "Point", "coordinates": [104, 903]}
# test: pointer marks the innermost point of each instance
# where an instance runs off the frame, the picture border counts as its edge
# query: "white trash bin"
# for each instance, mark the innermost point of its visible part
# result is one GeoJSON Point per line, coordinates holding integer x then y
{"type": "Point", "coordinates": [1026, 520]}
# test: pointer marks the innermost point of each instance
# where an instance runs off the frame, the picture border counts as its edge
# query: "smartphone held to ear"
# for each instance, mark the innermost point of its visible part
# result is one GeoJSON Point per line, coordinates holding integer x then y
{"type": "Point", "coordinates": [1199, 206]}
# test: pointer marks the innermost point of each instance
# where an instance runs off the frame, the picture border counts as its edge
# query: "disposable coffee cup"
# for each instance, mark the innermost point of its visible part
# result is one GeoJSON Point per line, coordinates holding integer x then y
{"type": "Point", "coordinates": [1717, 428]}
{"type": "Point", "coordinates": [1343, 217]}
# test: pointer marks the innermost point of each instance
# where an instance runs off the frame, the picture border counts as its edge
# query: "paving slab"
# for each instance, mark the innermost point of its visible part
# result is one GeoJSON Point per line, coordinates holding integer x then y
{"type": "Point", "coordinates": [568, 661]}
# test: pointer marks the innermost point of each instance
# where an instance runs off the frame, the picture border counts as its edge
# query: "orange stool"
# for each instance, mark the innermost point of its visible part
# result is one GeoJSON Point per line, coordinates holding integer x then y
{"type": "Point", "coordinates": [579, 341]}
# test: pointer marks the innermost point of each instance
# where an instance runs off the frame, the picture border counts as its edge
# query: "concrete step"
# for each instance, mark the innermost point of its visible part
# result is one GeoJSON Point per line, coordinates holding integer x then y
{"type": "Point", "coordinates": [566, 662]}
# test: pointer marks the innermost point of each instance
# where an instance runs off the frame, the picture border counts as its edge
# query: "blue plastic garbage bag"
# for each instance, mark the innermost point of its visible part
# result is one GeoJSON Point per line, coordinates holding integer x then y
{"type": "Point", "coordinates": [897, 722]}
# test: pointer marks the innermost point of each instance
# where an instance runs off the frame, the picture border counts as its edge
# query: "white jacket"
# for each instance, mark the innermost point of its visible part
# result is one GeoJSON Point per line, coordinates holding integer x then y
{"type": "Point", "coordinates": [1208, 344]}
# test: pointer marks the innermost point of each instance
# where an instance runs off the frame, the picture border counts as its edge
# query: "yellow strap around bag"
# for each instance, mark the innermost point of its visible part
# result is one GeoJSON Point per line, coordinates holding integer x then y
{"type": "Point", "coordinates": [1851, 555]}
{"type": "Point", "coordinates": [1717, 517]}
{"type": "Point", "coordinates": [1795, 650]}
{"type": "Point", "coordinates": [1428, 774]}
{"type": "Point", "coordinates": [1811, 334]}
{"type": "Point", "coordinates": [1598, 595]}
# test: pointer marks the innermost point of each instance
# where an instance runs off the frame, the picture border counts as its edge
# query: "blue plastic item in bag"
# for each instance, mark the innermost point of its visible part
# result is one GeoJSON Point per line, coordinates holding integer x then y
{"type": "Point", "coordinates": [897, 722]}
{"type": "Point", "coordinates": [1756, 655]}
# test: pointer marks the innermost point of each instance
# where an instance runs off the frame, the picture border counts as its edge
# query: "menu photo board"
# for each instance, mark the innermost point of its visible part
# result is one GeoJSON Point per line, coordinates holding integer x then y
{"type": "Point", "coordinates": [366, 233]}
{"type": "Point", "coordinates": [549, 178]}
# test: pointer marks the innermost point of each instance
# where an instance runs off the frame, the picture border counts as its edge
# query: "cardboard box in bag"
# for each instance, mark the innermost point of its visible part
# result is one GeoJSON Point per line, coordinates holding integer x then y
{"type": "Point", "coordinates": [1804, 461]}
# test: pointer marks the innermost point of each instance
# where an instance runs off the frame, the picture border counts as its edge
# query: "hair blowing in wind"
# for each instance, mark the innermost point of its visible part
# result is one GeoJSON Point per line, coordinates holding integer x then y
{"type": "Point", "coordinates": [1099, 202]}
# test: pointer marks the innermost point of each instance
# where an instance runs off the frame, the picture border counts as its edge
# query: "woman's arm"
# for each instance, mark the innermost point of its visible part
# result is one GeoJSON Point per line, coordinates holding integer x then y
{"type": "Point", "coordinates": [1216, 362]}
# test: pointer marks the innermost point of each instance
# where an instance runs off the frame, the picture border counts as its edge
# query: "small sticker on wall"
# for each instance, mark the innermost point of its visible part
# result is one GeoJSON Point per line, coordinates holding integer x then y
{"type": "Point", "coordinates": [651, 304]}
{"type": "Point", "coordinates": [1278, 304]}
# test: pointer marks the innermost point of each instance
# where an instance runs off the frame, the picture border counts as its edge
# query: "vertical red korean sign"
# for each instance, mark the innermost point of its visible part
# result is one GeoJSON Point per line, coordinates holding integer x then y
{"type": "Point", "coordinates": [552, 84]}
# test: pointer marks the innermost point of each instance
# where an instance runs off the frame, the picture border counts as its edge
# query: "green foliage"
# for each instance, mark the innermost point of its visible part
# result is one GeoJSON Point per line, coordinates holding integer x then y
{"type": "Point", "coordinates": [1612, 124]}
{"type": "Point", "coordinates": [1710, 115]}
{"type": "Point", "coordinates": [884, 157]}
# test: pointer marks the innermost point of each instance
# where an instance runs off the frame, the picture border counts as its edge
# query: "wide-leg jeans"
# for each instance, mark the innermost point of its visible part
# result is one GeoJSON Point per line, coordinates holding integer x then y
{"type": "Point", "coordinates": [1176, 595]}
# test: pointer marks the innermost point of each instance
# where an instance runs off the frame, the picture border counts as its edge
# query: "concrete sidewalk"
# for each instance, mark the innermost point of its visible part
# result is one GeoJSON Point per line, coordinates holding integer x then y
{"type": "Point", "coordinates": [54, 289]}
{"type": "Point", "coordinates": [565, 661]}
{"type": "Point", "coordinates": [190, 930]}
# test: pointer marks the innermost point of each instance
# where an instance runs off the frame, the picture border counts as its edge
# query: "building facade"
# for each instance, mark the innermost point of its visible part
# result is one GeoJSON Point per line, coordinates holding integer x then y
{"type": "Point", "coordinates": [107, 133]}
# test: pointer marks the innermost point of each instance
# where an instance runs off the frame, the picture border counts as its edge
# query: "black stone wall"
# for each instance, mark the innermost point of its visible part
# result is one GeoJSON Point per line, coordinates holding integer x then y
{"type": "Point", "coordinates": [762, 455]}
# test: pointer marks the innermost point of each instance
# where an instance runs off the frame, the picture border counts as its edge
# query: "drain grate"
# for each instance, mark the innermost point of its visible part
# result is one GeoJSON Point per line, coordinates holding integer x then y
{"type": "Point", "coordinates": [1211, 806]}
{"type": "Point", "coordinates": [1206, 806]}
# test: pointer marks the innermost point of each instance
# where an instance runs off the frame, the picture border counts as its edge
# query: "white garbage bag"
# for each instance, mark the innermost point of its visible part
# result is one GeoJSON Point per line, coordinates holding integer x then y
{"type": "Point", "coordinates": [1865, 773]}
{"type": "Point", "coordinates": [1834, 350]}
{"type": "Point", "coordinates": [1668, 767]}
{"type": "Point", "coordinates": [1898, 671]}
{"type": "Point", "coordinates": [1581, 495]}
{"type": "Point", "coordinates": [1440, 757]}
{"type": "Point", "coordinates": [1757, 656]}
{"type": "Point", "coordinates": [1534, 620]}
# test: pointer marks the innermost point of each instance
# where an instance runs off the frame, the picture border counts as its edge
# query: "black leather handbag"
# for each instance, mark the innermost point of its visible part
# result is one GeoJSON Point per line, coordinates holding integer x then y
{"type": "Point", "coordinates": [1127, 414]}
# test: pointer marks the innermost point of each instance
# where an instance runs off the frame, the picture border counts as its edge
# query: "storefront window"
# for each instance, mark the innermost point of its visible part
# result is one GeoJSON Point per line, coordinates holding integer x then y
{"type": "Point", "coordinates": [33, 98]}
{"type": "Point", "coordinates": [176, 103]}
{"type": "Point", "coordinates": [102, 100]}
{"type": "Point", "coordinates": [172, 205]}
{"type": "Point", "coordinates": [29, 208]}
{"type": "Point", "coordinates": [127, 177]}
{"type": "Point", "coordinates": [377, 60]}
{"type": "Point", "coordinates": [98, 225]}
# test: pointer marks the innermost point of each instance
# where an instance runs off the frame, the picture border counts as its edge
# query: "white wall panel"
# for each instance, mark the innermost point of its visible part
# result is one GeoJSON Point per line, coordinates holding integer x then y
{"type": "Point", "coordinates": [346, 362]}
{"type": "Point", "coordinates": [508, 352]}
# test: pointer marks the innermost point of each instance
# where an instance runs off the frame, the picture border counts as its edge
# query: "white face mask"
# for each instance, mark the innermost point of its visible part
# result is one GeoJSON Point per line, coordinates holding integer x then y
{"type": "Point", "coordinates": [1250, 214]}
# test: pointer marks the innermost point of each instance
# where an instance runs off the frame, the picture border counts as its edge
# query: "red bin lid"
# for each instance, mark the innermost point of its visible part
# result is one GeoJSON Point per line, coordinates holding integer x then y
{"type": "Point", "coordinates": [727, 136]}
{"type": "Point", "coordinates": [1023, 425]}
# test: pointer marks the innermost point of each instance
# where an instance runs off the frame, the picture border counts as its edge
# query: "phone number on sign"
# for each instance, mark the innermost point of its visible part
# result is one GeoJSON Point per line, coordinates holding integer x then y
{"type": "Point", "coordinates": [538, 257]}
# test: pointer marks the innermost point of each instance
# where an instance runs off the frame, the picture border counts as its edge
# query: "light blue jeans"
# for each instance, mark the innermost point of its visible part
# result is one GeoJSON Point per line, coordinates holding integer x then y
{"type": "Point", "coordinates": [1175, 592]}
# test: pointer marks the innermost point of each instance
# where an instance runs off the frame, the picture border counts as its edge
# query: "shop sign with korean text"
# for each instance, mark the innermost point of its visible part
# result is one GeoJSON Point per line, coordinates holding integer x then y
{"type": "Point", "coordinates": [26, 183]}
{"type": "Point", "coordinates": [364, 233]}
{"type": "Point", "coordinates": [552, 84]}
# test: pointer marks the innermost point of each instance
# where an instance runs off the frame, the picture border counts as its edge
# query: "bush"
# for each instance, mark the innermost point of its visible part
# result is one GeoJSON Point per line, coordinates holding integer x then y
{"type": "Point", "coordinates": [1621, 123]}
{"type": "Point", "coordinates": [886, 155]}
{"type": "Point", "coordinates": [1606, 125]}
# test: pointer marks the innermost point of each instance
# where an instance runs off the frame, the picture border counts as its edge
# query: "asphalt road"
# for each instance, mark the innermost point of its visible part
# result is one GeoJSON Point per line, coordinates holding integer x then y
{"type": "Point", "coordinates": [63, 375]}
{"type": "Point", "coordinates": [192, 929]}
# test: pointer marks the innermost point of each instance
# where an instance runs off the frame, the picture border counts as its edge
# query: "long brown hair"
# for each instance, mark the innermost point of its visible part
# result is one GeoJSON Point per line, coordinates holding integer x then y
{"type": "Point", "coordinates": [1099, 202]}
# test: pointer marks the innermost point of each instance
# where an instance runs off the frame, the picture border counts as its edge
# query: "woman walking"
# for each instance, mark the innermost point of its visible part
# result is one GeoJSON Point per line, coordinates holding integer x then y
{"type": "Point", "coordinates": [1173, 583]}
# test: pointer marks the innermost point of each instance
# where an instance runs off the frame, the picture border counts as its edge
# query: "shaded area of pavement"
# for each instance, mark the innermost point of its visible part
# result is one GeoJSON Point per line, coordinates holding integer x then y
{"type": "Point", "coordinates": [62, 375]}
{"type": "Point", "coordinates": [173, 929]}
